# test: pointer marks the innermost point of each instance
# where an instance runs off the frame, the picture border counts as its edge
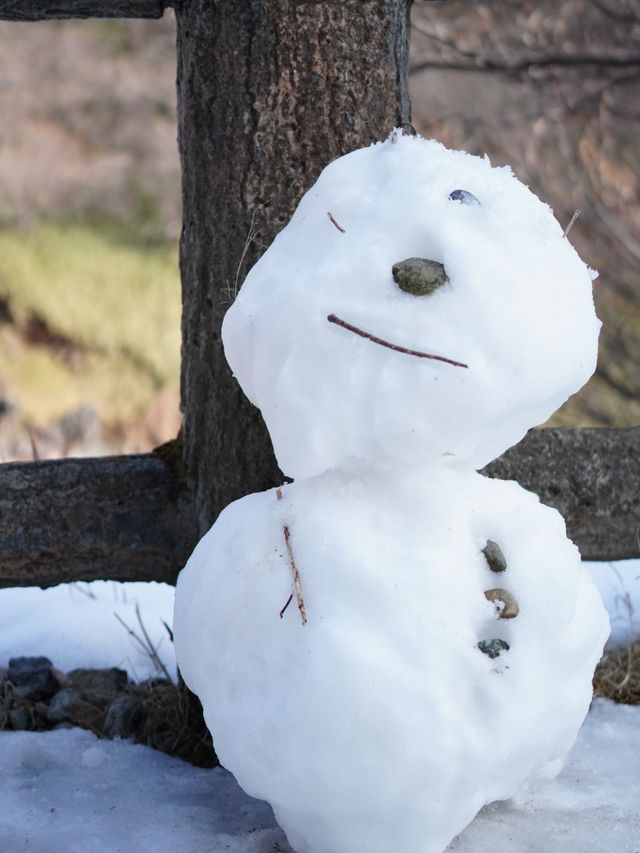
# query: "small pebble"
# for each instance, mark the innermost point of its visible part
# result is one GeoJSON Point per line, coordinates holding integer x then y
{"type": "Point", "coordinates": [463, 196]}
{"type": "Point", "coordinates": [419, 276]}
{"type": "Point", "coordinates": [510, 607]}
{"type": "Point", "coordinates": [493, 647]}
{"type": "Point", "coordinates": [494, 556]}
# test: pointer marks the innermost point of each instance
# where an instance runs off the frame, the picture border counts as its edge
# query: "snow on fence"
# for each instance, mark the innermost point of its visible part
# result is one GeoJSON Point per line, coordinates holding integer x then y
{"type": "Point", "coordinates": [138, 517]}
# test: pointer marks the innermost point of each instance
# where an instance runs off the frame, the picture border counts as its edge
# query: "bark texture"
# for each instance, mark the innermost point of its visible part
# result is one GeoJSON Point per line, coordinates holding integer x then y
{"type": "Point", "coordinates": [42, 10]}
{"type": "Point", "coordinates": [268, 94]}
{"type": "Point", "coordinates": [592, 476]}
{"type": "Point", "coordinates": [116, 518]}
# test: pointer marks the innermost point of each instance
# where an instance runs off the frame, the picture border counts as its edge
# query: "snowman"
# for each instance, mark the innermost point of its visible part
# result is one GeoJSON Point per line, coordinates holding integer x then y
{"type": "Point", "coordinates": [392, 640]}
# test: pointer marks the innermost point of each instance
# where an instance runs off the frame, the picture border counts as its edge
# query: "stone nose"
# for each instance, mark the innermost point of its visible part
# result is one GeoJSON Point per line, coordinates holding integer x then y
{"type": "Point", "coordinates": [419, 276]}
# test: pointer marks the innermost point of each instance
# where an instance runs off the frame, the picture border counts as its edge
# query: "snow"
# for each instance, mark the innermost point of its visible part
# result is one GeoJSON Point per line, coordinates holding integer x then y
{"type": "Point", "coordinates": [619, 586]}
{"type": "Point", "coordinates": [67, 790]}
{"type": "Point", "coordinates": [419, 313]}
{"type": "Point", "coordinates": [516, 293]}
{"type": "Point", "coordinates": [278, 693]}
{"type": "Point", "coordinates": [341, 630]}
{"type": "Point", "coordinates": [75, 625]}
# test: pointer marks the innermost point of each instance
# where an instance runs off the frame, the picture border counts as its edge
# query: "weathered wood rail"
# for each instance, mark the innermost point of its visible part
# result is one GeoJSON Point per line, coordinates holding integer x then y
{"type": "Point", "coordinates": [592, 476]}
{"type": "Point", "coordinates": [131, 518]}
{"type": "Point", "coordinates": [268, 92]}
{"type": "Point", "coordinates": [125, 518]}
{"type": "Point", "coordinates": [43, 10]}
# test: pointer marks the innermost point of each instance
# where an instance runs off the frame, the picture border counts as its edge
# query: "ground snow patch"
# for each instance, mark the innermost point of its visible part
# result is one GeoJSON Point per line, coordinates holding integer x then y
{"type": "Point", "coordinates": [66, 790]}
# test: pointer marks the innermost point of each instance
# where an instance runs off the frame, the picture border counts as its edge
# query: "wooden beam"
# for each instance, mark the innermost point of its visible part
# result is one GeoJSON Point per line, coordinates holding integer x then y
{"type": "Point", "coordinates": [592, 476]}
{"type": "Point", "coordinates": [43, 10]}
{"type": "Point", "coordinates": [132, 518]}
{"type": "Point", "coordinates": [125, 518]}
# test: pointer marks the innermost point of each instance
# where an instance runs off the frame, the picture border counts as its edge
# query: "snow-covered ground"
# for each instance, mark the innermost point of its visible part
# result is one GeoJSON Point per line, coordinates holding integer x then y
{"type": "Point", "coordinates": [66, 791]}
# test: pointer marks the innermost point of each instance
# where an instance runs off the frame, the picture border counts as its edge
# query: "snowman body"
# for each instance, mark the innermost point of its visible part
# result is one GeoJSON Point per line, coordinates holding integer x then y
{"type": "Point", "coordinates": [349, 634]}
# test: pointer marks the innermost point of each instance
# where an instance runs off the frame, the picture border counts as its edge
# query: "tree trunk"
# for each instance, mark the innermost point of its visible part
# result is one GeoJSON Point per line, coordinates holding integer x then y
{"type": "Point", "coordinates": [268, 93]}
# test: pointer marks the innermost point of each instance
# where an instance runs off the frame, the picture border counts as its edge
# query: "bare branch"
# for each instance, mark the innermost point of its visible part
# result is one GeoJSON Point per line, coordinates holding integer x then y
{"type": "Point", "coordinates": [486, 64]}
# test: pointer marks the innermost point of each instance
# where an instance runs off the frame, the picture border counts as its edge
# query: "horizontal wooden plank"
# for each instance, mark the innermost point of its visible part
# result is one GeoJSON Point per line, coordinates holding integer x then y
{"type": "Point", "coordinates": [43, 10]}
{"type": "Point", "coordinates": [118, 518]}
{"type": "Point", "coordinates": [132, 517]}
{"type": "Point", "coordinates": [592, 476]}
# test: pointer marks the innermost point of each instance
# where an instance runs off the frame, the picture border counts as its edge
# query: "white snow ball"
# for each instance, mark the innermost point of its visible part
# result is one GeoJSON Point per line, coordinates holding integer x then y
{"type": "Point", "coordinates": [333, 351]}
{"type": "Point", "coordinates": [93, 757]}
{"type": "Point", "coordinates": [376, 722]}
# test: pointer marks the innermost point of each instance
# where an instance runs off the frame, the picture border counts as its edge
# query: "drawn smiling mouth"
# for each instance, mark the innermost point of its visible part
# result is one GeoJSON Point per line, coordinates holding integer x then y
{"type": "Point", "coordinates": [332, 318]}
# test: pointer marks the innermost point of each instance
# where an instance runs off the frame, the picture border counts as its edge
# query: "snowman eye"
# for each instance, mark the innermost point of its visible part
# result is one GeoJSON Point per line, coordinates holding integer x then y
{"type": "Point", "coordinates": [463, 196]}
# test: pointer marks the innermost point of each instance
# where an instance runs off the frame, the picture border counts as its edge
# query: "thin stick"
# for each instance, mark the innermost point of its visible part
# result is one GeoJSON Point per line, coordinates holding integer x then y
{"type": "Point", "coordinates": [289, 600]}
{"type": "Point", "coordinates": [294, 570]}
{"type": "Point", "coordinates": [250, 239]}
{"type": "Point", "coordinates": [296, 577]}
{"type": "Point", "coordinates": [146, 645]}
{"type": "Point", "coordinates": [333, 319]}
{"type": "Point", "coordinates": [152, 650]}
{"type": "Point", "coordinates": [571, 222]}
{"type": "Point", "coordinates": [330, 215]}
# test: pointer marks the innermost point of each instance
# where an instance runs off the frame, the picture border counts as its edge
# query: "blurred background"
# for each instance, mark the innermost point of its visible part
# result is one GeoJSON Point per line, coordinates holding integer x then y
{"type": "Point", "coordinates": [89, 228]}
{"type": "Point", "coordinates": [90, 199]}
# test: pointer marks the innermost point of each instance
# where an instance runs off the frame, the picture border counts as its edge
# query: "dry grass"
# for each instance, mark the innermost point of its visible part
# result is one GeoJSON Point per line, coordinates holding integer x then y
{"type": "Point", "coordinates": [173, 723]}
{"type": "Point", "coordinates": [617, 676]}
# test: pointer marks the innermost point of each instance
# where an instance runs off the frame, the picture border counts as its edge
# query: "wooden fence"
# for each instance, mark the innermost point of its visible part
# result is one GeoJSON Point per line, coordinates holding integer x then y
{"type": "Point", "coordinates": [267, 94]}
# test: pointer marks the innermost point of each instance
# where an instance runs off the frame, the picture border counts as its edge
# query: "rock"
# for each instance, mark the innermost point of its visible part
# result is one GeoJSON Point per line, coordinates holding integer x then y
{"type": "Point", "coordinates": [18, 720]}
{"type": "Point", "coordinates": [509, 608]}
{"type": "Point", "coordinates": [494, 556]}
{"type": "Point", "coordinates": [493, 647]}
{"type": "Point", "coordinates": [99, 686]}
{"type": "Point", "coordinates": [33, 677]}
{"type": "Point", "coordinates": [419, 276]}
{"type": "Point", "coordinates": [61, 704]}
{"type": "Point", "coordinates": [463, 196]}
{"type": "Point", "coordinates": [123, 718]}
{"type": "Point", "coordinates": [68, 705]}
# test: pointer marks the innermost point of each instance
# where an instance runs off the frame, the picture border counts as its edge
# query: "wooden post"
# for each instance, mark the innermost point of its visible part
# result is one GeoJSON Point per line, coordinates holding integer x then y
{"type": "Point", "coordinates": [268, 94]}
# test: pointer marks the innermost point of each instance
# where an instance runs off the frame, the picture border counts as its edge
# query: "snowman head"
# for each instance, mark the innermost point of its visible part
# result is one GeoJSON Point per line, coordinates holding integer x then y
{"type": "Point", "coordinates": [420, 306]}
